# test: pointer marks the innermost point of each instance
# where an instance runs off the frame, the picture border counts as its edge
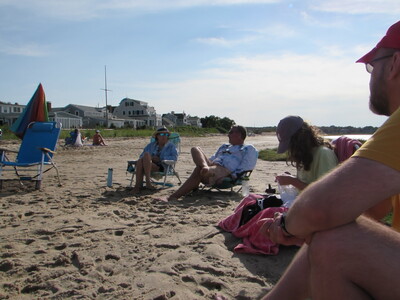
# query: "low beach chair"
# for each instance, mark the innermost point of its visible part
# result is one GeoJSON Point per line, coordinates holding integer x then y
{"type": "Point", "coordinates": [34, 155]}
{"type": "Point", "coordinates": [229, 183]}
{"type": "Point", "coordinates": [174, 137]}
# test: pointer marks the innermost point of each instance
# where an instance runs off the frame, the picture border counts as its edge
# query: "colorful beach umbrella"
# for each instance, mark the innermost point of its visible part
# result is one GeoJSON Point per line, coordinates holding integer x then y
{"type": "Point", "coordinates": [35, 111]}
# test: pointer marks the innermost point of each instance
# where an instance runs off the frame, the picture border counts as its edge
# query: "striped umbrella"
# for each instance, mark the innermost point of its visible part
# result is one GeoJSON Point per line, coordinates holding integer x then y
{"type": "Point", "coordinates": [35, 111]}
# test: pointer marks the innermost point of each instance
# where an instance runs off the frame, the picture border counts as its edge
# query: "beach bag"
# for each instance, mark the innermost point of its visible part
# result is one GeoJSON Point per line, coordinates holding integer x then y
{"type": "Point", "coordinates": [250, 210]}
{"type": "Point", "coordinates": [288, 194]}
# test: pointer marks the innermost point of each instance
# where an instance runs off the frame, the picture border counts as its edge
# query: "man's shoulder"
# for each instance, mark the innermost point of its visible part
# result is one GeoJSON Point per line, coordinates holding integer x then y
{"type": "Point", "coordinates": [226, 145]}
{"type": "Point", "coordinates": [249, 147]}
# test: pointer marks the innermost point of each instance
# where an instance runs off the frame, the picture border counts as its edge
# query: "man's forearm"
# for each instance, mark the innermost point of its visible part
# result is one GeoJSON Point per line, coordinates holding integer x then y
{"type": "Point", "coordinates": [342, 196]}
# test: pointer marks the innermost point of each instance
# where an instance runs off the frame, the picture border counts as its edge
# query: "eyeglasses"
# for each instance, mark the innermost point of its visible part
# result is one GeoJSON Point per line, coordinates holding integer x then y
{"type": "Point", "coordinates": [370, 67]}
{"type": "Point", "coordinates": [163, 134]}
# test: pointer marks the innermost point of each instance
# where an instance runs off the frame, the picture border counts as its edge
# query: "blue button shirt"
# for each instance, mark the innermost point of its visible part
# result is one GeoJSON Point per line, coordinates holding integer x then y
{"type": "Point", "coordinates": [236, 158]}
{"type": "Point", "coordinates": [168, 152]}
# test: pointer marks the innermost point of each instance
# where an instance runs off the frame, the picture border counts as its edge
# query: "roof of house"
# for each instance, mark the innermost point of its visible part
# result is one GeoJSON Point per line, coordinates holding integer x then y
{"type": "Point", "coordinates": [63, 114]}
{"type": "Point", "coordinates": [85, 108]}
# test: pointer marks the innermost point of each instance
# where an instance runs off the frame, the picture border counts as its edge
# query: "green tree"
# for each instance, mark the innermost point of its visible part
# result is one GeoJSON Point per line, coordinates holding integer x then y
{"type": "Point", "coordinates": [216, 122]}
{"type": "Point", "coordinates": [226, 123]}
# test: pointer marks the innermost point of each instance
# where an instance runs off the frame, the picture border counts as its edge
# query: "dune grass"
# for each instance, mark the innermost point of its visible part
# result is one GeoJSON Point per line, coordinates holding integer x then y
{"type": "Point", "coordinates": [271, 155]}
{"type": "Point", "coordinates": [125, 132]}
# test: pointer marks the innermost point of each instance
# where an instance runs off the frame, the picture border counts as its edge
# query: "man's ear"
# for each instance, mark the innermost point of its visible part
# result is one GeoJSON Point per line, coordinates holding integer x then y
{"type": "Point", "coordinates": [395, 67]}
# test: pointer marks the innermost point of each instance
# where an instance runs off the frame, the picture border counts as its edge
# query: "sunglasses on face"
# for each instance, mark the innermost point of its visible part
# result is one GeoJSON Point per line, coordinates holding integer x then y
{"type": "Point", "coordinates": [163, 134]}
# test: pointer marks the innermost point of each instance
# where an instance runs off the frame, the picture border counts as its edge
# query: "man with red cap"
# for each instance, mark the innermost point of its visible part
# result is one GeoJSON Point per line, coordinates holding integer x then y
{"type": "Point", "coordinates": [345, 254]}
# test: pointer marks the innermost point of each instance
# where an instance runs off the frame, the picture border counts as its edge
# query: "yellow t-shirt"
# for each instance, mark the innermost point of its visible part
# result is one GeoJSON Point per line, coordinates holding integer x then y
{"type": "Point", "coordinates": [384, 147]}
{"type": "Point", "coordinates": [396, 212]}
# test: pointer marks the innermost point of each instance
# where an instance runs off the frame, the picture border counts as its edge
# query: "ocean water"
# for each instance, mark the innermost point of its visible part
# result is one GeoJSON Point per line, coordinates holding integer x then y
{"type": "Point", "coordinates": [363, 137]}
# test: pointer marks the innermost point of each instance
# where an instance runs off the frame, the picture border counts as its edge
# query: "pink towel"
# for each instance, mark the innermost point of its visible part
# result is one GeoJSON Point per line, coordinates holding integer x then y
{"type": "Point", "coordinates": [345, 147]}
{"type": "Point", "coordinates": [253, 241]}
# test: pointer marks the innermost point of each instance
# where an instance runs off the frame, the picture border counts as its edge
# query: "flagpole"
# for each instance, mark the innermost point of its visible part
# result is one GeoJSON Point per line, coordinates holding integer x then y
{"type": "Point", "coordinates": [105, 92]}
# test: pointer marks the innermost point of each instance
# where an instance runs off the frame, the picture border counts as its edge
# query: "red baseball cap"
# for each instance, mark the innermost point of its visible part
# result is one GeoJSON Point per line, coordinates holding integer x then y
{"type": "Point", "coordinates": [390, 40]}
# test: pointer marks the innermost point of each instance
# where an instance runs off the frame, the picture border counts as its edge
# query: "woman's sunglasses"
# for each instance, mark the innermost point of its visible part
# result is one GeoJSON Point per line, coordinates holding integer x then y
{"type": "Point", "coordinates": [163, 134]}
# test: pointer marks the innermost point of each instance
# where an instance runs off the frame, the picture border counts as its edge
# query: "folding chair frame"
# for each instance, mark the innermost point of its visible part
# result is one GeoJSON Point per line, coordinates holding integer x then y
{"type": "Point", "coordinates": [24, 166]}
{"type": "Point", "coordinates": [170, 166]}
{"type": "Point", "coordinates": [228, 183]}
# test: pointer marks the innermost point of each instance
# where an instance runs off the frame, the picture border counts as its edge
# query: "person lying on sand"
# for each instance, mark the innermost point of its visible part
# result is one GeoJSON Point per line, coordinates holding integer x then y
{"type": "Point", "coordinates": [229, 160]}
{"type": "Point", "coordinates": [152, 156]}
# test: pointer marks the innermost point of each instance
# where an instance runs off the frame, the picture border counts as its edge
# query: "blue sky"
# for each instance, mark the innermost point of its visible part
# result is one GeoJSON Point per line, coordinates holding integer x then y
{"type": "Point", "coordinates": [254, 61]}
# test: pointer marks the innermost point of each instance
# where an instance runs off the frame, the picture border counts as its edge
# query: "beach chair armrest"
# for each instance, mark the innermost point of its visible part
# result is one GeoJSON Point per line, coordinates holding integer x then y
{"type": "Point", "coordinates": [47, 150]}
{"type": "Point", "coordinates": [7, 150]}
{"type": "Point", "coordinates": [169, 162]}
{"type": "Point", "coordinates": [241, 175]}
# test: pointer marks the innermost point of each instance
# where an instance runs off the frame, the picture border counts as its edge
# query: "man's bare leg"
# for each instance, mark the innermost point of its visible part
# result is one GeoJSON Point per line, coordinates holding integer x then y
{"type": "Point", "coordinates": [139, 176]}
{"type": "Point", "coordinates": [294, 283]}
{"type": "Point", "coordinates": [355, 261]}
{"type": "Point", "coordinates": [147, 167]}
{"type": "Point", "coordinates": [201, 161]}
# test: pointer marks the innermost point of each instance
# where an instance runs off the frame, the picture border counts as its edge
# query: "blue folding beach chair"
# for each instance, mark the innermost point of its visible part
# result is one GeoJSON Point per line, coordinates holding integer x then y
{"type": "Point", "coordinates": [35, 155]}
{"type": "Point", "coordinates": [169, 169]}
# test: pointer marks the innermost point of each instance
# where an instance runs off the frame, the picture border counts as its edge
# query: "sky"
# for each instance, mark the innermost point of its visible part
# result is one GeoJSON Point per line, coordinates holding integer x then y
{"type": "Point", "coordinates": [253, 61]}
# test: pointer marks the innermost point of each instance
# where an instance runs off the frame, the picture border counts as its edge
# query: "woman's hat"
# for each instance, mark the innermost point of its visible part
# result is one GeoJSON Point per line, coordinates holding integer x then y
{"type": "Point", "coordinates": [97, 131]}
{"type": "Point", "coordinates": [161, 130]}
{"type": "Point", "coordinates": [287, 127]}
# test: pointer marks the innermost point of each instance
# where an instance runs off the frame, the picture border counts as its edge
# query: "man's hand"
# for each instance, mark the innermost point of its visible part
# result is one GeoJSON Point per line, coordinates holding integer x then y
{"type": "Point", "coordinates": [273, 230]}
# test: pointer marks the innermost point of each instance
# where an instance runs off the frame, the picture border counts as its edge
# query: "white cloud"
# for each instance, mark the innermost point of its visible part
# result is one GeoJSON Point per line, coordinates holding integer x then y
{"type": "Point", "coordinates": [87, 9]}
{"type": "Point", "coordinates": [30, 49]}
{"type": "Point", "coordinates": [357, 6]}
{"type": "Point", "coordinates": [219, 41]}
{"type": "Point", "coordinates": [261, 90]}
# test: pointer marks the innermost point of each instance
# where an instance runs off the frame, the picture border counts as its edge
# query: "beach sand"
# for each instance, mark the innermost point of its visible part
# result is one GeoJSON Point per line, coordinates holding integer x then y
{"type": "Point", "coordinates": [85, 240]}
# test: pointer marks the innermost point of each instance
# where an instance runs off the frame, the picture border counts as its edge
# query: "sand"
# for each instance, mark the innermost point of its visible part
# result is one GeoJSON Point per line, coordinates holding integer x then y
{"type": "Point", "coordinates": [85, 240]}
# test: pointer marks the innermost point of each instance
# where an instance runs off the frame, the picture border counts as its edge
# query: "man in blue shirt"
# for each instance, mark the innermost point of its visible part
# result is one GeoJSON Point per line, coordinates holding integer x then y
{"type": "Point", "coordinates": [229, 160]}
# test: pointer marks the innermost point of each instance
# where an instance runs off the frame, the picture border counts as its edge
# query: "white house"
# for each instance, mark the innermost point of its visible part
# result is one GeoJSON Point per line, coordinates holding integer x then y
{"type": "Point", "coordinates": [9, 112]}
{"type": "Point", "coordinates": [140, 111]}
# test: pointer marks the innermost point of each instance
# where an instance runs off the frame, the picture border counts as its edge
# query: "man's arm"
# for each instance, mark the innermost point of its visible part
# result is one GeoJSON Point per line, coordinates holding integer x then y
{"type": "Point", "coordinates": [342, 196]}
{"type": "Point", "coordinates": [170, 152]}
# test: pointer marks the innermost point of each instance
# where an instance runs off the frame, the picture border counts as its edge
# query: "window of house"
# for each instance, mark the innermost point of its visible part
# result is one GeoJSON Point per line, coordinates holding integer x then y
{"type": "Point", "coordinates": [129, 112]}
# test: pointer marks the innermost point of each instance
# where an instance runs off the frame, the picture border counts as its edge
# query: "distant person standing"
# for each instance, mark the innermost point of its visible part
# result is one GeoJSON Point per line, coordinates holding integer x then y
{"type": "Point", "coordinates": [98, 139]}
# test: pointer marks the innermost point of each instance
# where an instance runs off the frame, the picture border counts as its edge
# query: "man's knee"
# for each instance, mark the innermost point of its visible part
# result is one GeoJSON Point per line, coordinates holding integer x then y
{"type": "Point", "coordinates": [327, 246]}
{"type": "Point", "coordinates": [195, 150]}
{"type": "Point", "coordinates": [324, 247]}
